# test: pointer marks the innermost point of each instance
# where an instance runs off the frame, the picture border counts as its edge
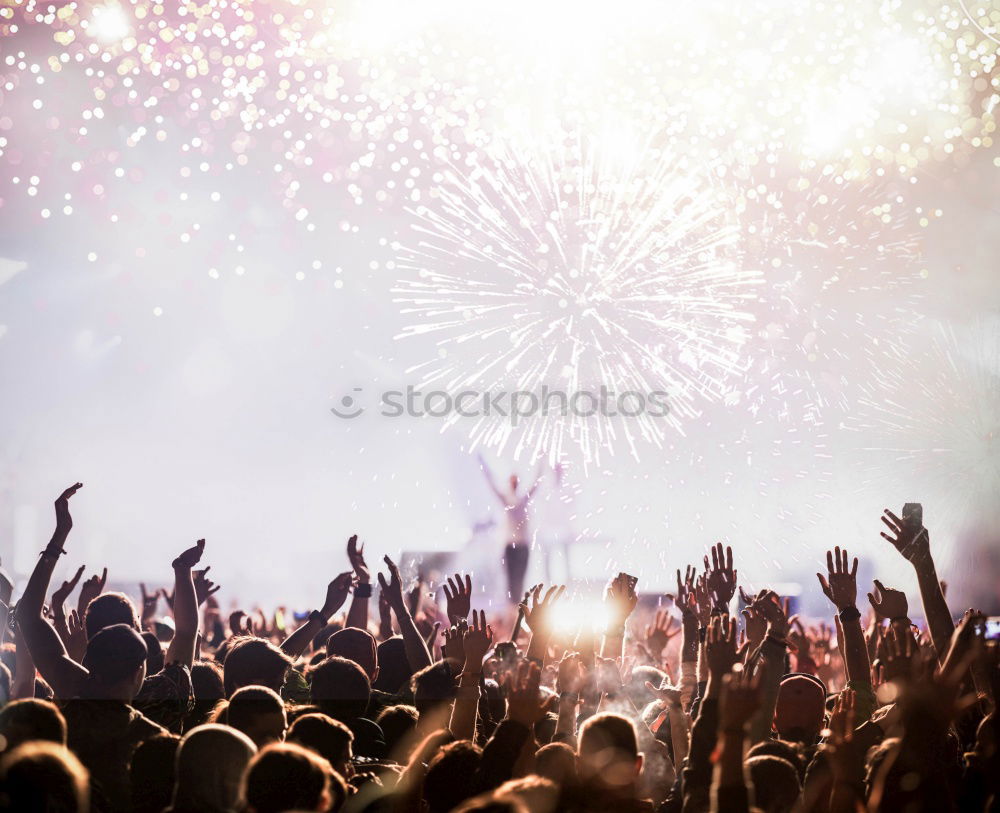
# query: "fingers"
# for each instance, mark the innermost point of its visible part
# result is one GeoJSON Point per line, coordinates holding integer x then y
{"type": "Point", "coordinates": [104, 577]}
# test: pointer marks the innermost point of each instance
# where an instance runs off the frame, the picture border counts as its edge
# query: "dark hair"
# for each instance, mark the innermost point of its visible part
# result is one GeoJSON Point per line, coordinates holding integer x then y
{"type": "Point", "coordinates": [603, 731]}
{"type": "Point", "coordinates": [152, 773]}
{"type": "Point", "coordinates": [329, 738]}
{"type": "Point", "coordinates": [776, 785]}
{"type": "Point", "coordinates": [556, 761]}
{"type": "Point", "coordinates": [432, 685]}
{"type": "Point", "coordinates": [356, 645]}
{"type": "Point", "coordinates": [340, 688]}
{"type": "Point", "coordinates": [792, 752]}
{"type": "Point", "coordinates": [451, 776]}
{"type": "Point", "coordinates": [249, 703]}
{"type": "Point", "coordinates": [397, 724]}
{"type": "Point", "coordinates": [108, 609]}
{"type": "Point", "coordinates": [31, 719]}
{"type": "Point", "coordinates": [393, 668]}
{"type": "Point", "coordinates": [254, 662]}
{"type": "Point", "coordinates": [285, 777]}
{"type": "Point", "coordinates": [43, 776]}
{"type": "Point", "coordinates": [114, 654]}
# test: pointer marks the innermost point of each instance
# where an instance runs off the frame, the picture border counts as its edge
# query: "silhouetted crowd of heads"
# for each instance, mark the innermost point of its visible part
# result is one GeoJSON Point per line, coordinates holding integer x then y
{"type": "Point", "coordinates": [385, 696]}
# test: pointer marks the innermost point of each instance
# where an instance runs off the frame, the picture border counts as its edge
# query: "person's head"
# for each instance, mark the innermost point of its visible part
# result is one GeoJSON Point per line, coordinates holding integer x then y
{"type": "Point", "coordinates": [254, 662]}
{"type": "Point", "coordinates": [775, 783]}
{"type": "Point", "coordinates": [206, 681]}
{"type": "Point", "coordinates": [608, 752]}
{"type": "Point", "coordinates": [556, 761]}
{"type": "Point", "coordinates": [107, 610]}
{"type": "Point", "coordinates": [154, 653]}
{"type": "Point", "coordinates": [31, 719]}
{"type": "Point", "coordinates": [489, 803]}
{"type": "Point", "coordinates": [539, 795]}
{"type": "Point", "coordinates": [393, 668]}
{"type": "Point", "coordinates": [800, 709]}
{"type": "Point", "coordinates": [451, 776]}
{"type": "Point", "coordinates": [116, 660]}
{"type": "Point", "coordinates": [43, 776]}
{"type": "Point", "coordinates": [340, 688]}
{"type": "Point", "coordinates": [398, 724]}
{"type": "Point", "coordinates": [152, 773]}
{"type": "Point", "coordinates": [210, 764]}
{"type": "Point", "coordinates": [433, 686]}
{"type": "Point", "coordinates": [289, 777]}
{"type": "Point", "coordinates": [259, 713]}
{"type": "Point", "coordinates": [792, 752]}
{"type": "Point", "coordinates": [355, 645]}
{"type": "Point", "coordinates": [328, 738]}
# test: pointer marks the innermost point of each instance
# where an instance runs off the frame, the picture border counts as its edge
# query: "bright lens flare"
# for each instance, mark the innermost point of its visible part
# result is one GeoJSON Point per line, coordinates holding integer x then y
{"type": "Point", "coordinates": [109, 24]}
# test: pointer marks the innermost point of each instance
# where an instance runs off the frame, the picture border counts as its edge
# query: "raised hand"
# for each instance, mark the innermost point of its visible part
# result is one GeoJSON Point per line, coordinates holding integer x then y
{"type": "Point", "coordinates": [888, 603]}
{"type": "Point", "coordinates": [684, 588]}
{"type": "Point", "coordinates": [477, 642]}
{"type": "Point", "coordinates": [336, 593]}
{"type": "Point", "coordinates": [76, 644]}
{"type": "Point", "coordinates": [659, 633]}
{"type": "Point", "coordinates": [720, 577]}
{"type": "Point", "coordinates": [702, 598]}
{"type": "Point", "coordinates": [150, 603]}
{"type": "Point", "coordinates": [721, 646]}
{"type": "Point", "coordinates": [899, 655]}
{"type": "Point", "coordinates": [739, 701]}
{"type": "Point", "coordinates": [846, 760]}
{"type": "Point", "coordinates": [356, 556]}
{"type": "Point", "coordinates": [769, 605]}
{"type": "Point", "coordinates": [190, 557]}
{"type": "Point", "coordinates": [64, 522]}
{"type": "Point", "coordinates": [667, 694]}
{"type": "Point", "coordinates": [755, 624]}
{"type": "Point", "coordinates": [912, 542]}
{"type": "Point", "coordinates": [620, 599]}
{"type": "Point", "coordinates": [538, 615]}
{"type": "Point", "coordinates": [841, 584]}
{"type": "Point", "coordinates": [204, 587]}
{"type": "Point", "coordinates": [572, 674]}
{"type": "Point", "coordinates": [89, 590]}
{"type": "Point", "coordinates": [393, 588]}
{"type": "Point", "coordinates": [454, 642]}
{"type": "Point", "coordinates": [458, 597]}
{"type": "Point", "coordinates": [62, 593]}
{"type": "Point", "coordinates": [524, 701]}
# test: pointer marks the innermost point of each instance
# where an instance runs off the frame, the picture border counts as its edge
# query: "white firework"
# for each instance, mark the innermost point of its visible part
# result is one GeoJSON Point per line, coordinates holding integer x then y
{"type": "Point", "coordinates": [579, 262]}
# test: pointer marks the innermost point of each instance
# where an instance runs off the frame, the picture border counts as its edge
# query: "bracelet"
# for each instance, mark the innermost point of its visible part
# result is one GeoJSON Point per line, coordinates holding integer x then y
{"type": "Point", "coordinates": [48, 554]}
{"type": "Point", "coordinates": [363, 590]}
{"type": "Point", "coordinates": [849, 614]}
{"type": "Point", "coordinates": [569, 697]}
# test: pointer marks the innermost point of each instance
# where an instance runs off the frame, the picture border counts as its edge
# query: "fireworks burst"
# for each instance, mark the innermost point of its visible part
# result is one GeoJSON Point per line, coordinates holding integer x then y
{"type": "Point", "coordinates": [589, 261]}
{"type": "Point", "coordinates": [933, 425]}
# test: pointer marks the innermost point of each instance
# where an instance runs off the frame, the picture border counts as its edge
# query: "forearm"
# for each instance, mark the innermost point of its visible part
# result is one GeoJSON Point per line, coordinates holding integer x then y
{"type": "Point", "coordinates": [538, 646]}
{"type": "Point", "coordinates": [566, 723]}
{"type": "Point", "coordinates": [939, 620]}
{"type": "Point", "coordinates": [466, 708]}
{"type": "Point", "coordinates": [729, 785]}
{"type": "Point", "coordinates": [23, 683]}
{"type": "Point", "coordinates": [856, 652]}
{"type": "Point", "coordinates": [298, 642]}
{"type": "Point", "coordinates": [357, 615]}
{"type": "Point", "coordinates": [679, 738]}
{"type": "Point", "coordinates": [182, 646]}
{"type": "Point", "coordinates": [613, 643]}
{"type": "Point", "coordinates": [414, 645]}
{"type": "Point", "coordinates": [771, 668]}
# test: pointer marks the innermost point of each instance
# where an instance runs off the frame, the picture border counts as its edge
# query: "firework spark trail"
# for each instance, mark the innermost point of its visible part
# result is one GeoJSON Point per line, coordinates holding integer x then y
{"type": "Point", "coordinates": [588, 262]}
{"type": "Point", "coordinates": [932, 425]}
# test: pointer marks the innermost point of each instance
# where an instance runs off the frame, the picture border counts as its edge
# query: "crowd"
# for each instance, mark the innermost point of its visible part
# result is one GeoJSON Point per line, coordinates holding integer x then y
{"type": "Point", "coordinates": [433, 706]}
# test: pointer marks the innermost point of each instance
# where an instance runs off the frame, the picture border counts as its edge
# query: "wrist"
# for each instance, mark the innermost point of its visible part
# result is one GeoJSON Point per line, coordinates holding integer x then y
{"type": "Point", "coordinates": [363, 589]}
{"type": "Point", "coordinates": [848, 613]}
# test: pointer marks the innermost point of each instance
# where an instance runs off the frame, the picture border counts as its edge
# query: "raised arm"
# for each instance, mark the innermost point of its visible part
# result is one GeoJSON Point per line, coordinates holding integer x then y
{"type": "Point", "coordinates": [914, 545]}
{"type": "Point", "coordinates": [182, 646]}
{"type": "Point", "coordinates": [64, 674]}
{"type": "Point", "coordinates": [414, 645]}
{"type": "Point", "coordinates": [477, 642]}
{"type": "Point", "coordinates": [336, 594]}
{"type": "Point", "coordinates": [357, 615]}
{"type": "Point", "coordinates": [620, 599]}
{"type": "Point", "coordinates": [841, 587]}
{"type": "Point", "coordinates": [491, 482]}
{"type": "Point", "coordinates": [538, 618]}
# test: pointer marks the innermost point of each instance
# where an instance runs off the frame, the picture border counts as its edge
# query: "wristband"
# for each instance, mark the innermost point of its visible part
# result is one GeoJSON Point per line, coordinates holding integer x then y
{"type": "Point", "coordinates": [316, 615]}
{"type": "Point", "coordinates": [363, 590]}
{"type": "Point", "coordinates": [569, 697]}
{"type": "Point", "coordinates": [849, 614]}
{"type": "Point", "coordinates": [49, 554]}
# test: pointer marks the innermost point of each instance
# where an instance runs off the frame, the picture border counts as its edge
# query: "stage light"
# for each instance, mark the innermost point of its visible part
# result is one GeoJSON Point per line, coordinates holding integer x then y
{"type": "Point", "coordinates": [109, 23]}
